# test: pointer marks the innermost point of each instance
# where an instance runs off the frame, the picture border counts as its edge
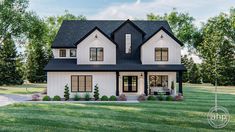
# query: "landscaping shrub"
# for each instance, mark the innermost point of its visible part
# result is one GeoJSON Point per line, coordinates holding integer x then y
{"type": "Point", "coordinates": [160, 97]}
{"type": "Point", "coordinates": [46, 98]}
{"type": "Point", "coordinates": [66, 92]}
{"type": "Point", "coordinates": [77, 97]}
{"type": "Point", "coordinates": [96, 92]}
{"type": "Point", "coordinates": [56, 98]}
{"type": "Point", "coordinates": [36, 97]}
{"type": "Point", "coordinates": [87, 96]}
{"type": "Point", "coordinates": [122, 97]}
{"type": "Point", "coordinates": [151, 97]}
{"type": "Point", "coordinates": [104, 98]}
{"type": "Point", "coordinates": [179, 97]}
{"type": "Point", "coordinates": [112, 98]}
{"type": "Point", "coordinates": [142, 97]}
{"type": "Point", "coordinates": [169, 98]}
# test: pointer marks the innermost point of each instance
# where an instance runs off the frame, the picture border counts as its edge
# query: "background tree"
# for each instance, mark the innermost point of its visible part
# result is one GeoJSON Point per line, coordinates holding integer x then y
{"type": "Point", "coordinates": [194, 74]}
{"type": "Point", "coordinates": [188, 63]}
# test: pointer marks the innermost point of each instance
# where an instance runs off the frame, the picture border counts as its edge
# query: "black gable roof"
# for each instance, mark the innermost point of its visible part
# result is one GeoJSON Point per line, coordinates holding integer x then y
{"type": "Point", "coordinates": [71, 31]}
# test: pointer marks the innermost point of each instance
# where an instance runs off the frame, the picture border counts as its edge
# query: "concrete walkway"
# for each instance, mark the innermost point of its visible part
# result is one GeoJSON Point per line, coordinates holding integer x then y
{"type": "Point", "coordinates": [6, 99]}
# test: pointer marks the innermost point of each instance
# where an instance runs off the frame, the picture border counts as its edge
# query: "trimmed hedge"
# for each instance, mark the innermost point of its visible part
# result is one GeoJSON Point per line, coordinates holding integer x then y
{"type": "Point", "coordinates": [104, 98]}
{"type": "Point", "coordinates": [46, 98]}
{"type": "Point", "coordinates": [56, 98]}
{"type": "Point", "coordinates": [112, 98]}
{"type": "Point", "coordinates": [151, 97]}
{"type": "Point", "coordinates": [77, 97]}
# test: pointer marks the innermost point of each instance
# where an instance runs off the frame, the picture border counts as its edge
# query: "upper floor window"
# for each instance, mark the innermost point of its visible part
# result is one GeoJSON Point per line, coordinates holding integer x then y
{"type": "Point", "coordinates": [128, 43]}
{"type": "Point", "coordinates": [72, 52]}
{"type": "Point", "coordinates": [62, 52]}
{"type": "Point", "coordinates": [96, 54]}
{"type": "Point", "coordinates": [161, 54]}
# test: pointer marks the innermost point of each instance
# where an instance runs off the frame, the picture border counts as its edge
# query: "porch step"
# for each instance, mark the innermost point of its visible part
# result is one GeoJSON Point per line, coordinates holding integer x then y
{"type": "Point", "coordinates": [132, 97]}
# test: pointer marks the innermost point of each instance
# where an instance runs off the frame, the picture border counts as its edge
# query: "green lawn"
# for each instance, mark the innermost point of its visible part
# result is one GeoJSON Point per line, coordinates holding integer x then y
{"type": "Point", "coordinates": [21, 89]}
{"type": "Point", "coordinates": [188, 115]}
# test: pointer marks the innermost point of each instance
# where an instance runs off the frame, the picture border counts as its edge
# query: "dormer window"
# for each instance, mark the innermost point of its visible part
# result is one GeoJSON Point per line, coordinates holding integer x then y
{"type": "Point", "coordinates": [161, 54]}
{"type": "Point", "coordinates": [96, 54]}
{"type": "Point", "coordinates": [128, 43]}
{"type": "Point", "coordinates": [72, 52]}
{"type": "Point", "coordinates": [62, 52]}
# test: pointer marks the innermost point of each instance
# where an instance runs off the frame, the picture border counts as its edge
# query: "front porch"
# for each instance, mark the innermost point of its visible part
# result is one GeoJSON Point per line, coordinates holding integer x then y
{"type": "Point", "coordinates": [148, 83]}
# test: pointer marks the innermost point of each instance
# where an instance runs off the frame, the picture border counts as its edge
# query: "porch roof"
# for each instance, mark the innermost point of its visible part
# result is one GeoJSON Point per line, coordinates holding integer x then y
{"type": "Point", "coordinates": [65, 65]}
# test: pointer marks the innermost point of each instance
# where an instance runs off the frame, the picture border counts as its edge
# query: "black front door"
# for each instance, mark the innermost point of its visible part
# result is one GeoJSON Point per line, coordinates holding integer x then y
{"type": "Point", "coordinates": [130, 83]}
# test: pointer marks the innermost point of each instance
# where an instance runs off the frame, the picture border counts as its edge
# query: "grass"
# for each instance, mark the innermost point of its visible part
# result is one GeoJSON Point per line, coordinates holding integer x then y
{"type": "Point", "coordinates": [21, 89]}
{"type": "Point", "coordinates": [188, 115]}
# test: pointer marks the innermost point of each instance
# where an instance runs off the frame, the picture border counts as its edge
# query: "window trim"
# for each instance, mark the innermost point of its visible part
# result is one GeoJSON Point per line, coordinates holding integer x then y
{"type": "Point", "coordinates": [96, 57]}
{"type": "Point", "coordinates": [128, 88]}
{"type": "Point", "coordinates": [61, 53]}
{"type": "Point", "coordinates": [85, 91]}
{"type": "Point", "coordinates": [75, 52]}
{"type": "Point", "coordinates": [155, 52]}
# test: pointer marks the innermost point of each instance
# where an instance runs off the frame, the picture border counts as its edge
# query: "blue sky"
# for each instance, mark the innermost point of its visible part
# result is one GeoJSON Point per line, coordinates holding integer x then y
{"type": "Point", "coordinates": [201, 10]}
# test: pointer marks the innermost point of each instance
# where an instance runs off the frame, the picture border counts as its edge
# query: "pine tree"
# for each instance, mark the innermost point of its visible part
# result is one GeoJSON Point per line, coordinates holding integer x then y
{"type": "Point", "coordinates": [96, 92]}
{"type": "Point", "coordinates": [9, 73]}
{"type": "Point", "coordinates": [194, 75]}
{"type": "Point", "coordinates": [66, 92]}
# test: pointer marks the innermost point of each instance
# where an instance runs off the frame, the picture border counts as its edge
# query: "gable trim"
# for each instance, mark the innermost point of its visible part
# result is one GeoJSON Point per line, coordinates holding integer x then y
{"type": "Point", "coordinates": [133, 24]}
{"type": "Point", "coordinates": [167, 32]}
{"type": "Point", "coordinates": [90, 32]}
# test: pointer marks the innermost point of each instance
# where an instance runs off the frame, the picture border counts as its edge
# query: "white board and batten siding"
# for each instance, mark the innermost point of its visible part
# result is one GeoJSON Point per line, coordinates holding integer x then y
{"type": "Point", "coordinates": [148, 49]}
{"type": "Point", "coordinates": [57, 80]}
{"type": "Point", "coordinates": [96, 39]}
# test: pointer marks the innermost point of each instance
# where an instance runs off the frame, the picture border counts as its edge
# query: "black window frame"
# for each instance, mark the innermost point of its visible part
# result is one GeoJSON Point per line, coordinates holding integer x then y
{"type": "Point", "coordinates": [75, 52]}
{"type": "Point", "coordinates": [128, 84]}
{"type": "Point", "coordinates": [96, 53]}
{"type": "Point", "coordinates": [60, 52]}
{"type": "Point", "coordinates": [161, 49]}
{"type": "Point", "coordinates": [84, 83]}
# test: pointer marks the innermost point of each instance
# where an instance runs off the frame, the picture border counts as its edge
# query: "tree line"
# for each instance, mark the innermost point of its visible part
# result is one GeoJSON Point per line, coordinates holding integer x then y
{"type": "Point", "coordinates": [213, 42]}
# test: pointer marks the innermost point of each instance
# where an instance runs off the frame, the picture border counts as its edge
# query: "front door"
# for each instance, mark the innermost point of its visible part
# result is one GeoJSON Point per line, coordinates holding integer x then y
{"type": "Point", "coordinates": [130, 83]}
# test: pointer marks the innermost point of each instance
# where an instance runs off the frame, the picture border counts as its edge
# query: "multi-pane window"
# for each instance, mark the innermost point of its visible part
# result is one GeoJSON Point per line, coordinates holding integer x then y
{"type": "Point", "coordinates": [81, 83]}
{"type": "Point", "coordinates": [128, 43]}
{"type": "Point", "coordinates": [72, 52]}
{"type": "Point", "coordinates": [158, 81]}
{"type": "Point", "coordinates": [161, 54]}
{"type": "Point", "coordinates": [96, 54]}
{"type": "Point", "coordinates": [129, 83]}
{"type": "Point", "coordinates": [62, 52]}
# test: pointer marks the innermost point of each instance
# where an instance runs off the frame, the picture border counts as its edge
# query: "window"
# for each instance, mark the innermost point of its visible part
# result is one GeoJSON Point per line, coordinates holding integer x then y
{"type": "Point", "coordinates": [130, 83]}
{"type": "Point", "coordinates": [62, 52]}
{"type": "Point", "coordinates": [72, 52]}
{"type": "Point", "coordinates": [128, 43]}
{"type": "Point", "coordinates": [96, 54]}
{"type": "Point", "coordinates": [158, 81]}
{"type": "Point", "coordinates": [161, 54]}
{"type": "Point", "coordinates": [81, 83]}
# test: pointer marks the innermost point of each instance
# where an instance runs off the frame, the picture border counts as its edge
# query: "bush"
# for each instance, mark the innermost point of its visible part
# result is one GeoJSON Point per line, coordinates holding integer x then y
{"type": "Point", "coordinates": [104, 98]}
{"type": "Point", "coordinates": [142, 97]}
{"type": "Point", "coordinates": [179, 97]}
{"type": "Point", "coordinates": [87, 96]}
{"type": "Point", "coordinates": [36, 97]}
{"type": "Point", "coordinates": [112, 98]}
{"type": "Point", "coordinates": [169, 98]}
{"type": "Point", "coordinates": [96, 92]}
{"type": "Point", "coordinates": [160, 97]}
{"type": "Point", "coordinates": [77, 97]}
{"type": "Point", "coordinates": [66, 92]}
{"type": "Point", "coordinates": [46, 98]}
{"type": "Point", "coordinates": [151, 97]}
{"type": "Point", "coordinates": [122, 97]}
{"type": "Point", "coordinates": [56, 98]}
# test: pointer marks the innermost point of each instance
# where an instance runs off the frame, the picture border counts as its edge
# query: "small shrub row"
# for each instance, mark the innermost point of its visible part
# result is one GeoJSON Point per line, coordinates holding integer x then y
{"type": "Point", "coordinates": [161, 98]}
{"type": "Point", "coordinates": [111, 98]}
{"type": "Point", "coordinates": [55, 98]}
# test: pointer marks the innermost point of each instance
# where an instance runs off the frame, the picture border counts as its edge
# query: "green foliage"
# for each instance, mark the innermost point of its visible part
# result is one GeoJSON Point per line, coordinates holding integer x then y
{"type": "Point", "coordinates": [112, 98]}
{"type": "Point", "coordinates": [169, 98]}
{"type": "Point", "coordinates": [87, 97]}
{"type": "Point", "coordinates": [172, 85]}
{"type": "Point", "coordinates": [46, 98]}
{"type": "Point", "coordinates": [56, 98]}
{"type": "Point", "coordinates": [66, 92]}
{"type": "Point", "coordinates": [104, 98]}
{"type": "Point", "coordinates": [151, 97]}
{"type": "Point", "coordinates": [96, 92]}
{"type": "Point", "coordinates": [188, 63]}
{"type": "Point", "coordinates": [160, 97]}
{"type": "Point", "coordinates": [194, 74]}
{"type": "Point", "coordinates": [77, 97]}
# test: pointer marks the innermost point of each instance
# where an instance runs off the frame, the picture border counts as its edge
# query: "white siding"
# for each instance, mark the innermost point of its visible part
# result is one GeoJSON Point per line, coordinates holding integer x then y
{"type": "Point", "coordinates": [83, 49]}
{"type": "Point", "coordinates": [56, 54]}
{"type": "Point", "coordinates": [148, 49]}
{"type": "Point", "coordinates": [57, 80]}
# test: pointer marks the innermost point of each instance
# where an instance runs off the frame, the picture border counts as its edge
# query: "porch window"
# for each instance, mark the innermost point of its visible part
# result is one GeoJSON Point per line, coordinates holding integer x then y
{"type": "Point", "coordinates": [130, 83]}
{"type": "Point", "coordinates": [62, 52]}
{"type": "Point", "coordinates": [81, 83]}
{"type": "Point", "coordinates": [158, 81]}
{"type": "Point", "coordinates": [161, 54]}
{"type": "Point", "coordinates": [96, 54]}
{"type": "Point", "coordinates": [72, 52]}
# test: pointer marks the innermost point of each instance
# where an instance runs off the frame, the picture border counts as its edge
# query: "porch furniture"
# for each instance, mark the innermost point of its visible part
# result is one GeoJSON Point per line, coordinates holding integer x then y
{"type": "Point", "coordinates": [159, 90]}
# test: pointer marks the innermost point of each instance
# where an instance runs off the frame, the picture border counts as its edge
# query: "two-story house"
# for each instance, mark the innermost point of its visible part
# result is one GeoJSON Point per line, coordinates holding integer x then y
{"type": "Point", "coordinates": [121, 57]}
